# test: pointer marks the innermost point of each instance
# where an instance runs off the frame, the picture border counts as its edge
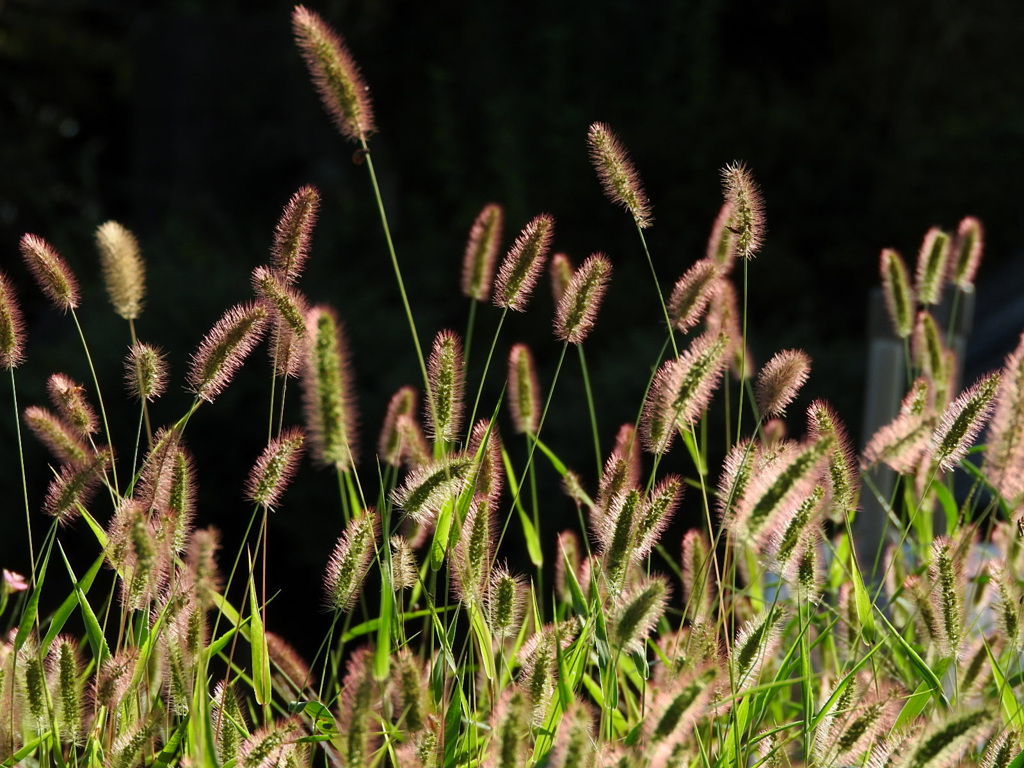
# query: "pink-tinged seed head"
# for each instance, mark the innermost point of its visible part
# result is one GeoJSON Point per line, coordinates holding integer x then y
{"type": "Point", "coordinates": [1004, 454]}
{"type": "Point", "coordinates": [932, 266]}
{"type": "Point", "coordinates": [523, 263]}
{"type": "Point", "coordinates": [224, 349]}
{"type": "Point", "coordinates": [145, 372]}
{"type": "Point", "coordinates": [335, 74]}
{"type": "Point", "coordinates": [69, 398]}
{"type": "Point", "coordinates": [293, 233]}
{"type": "Point", "coordinates": [967, 250]}
{"type": "Point", "coordinates": [962, 420]}
{"type": "Point", "coordinates": [275, 468]}
{"type": "Point", "coordinates": [692, 293]}
{"type": "Point", "coordinates": [482, 252]}
{"type": "Point", "coordinates": [328, 392]}
{"type": "Point", "coordinates": [577, 311]}
{"type": "Point", "coordinates": [523, 390]}
{"type": "Point", "coordinates": [447, 375]}
{"type": "Point", "coordinates": [899, 296]}
{"type": "Point", "coordinates": [560, 271]}
{"type": "Point", "coordinates": [12, 327]}
{"type": "Point", "coordinates": [50, 271]}
{"type": "Point", "coordinates": [617, 173]}
{"type": "Point", "coordinates": [744, 197]}
{"type": "Point", "coordinates": [780, 380]}
{"type": "Point", "coordinates": [721, 248]}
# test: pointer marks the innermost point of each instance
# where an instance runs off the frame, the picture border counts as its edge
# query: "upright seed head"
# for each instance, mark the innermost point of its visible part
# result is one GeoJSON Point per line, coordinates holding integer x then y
{"type": "Point", "coordinates": [288, 316]}
{"type": "Point", "coordinates": [410, 691]}
{"type": "Point", "coordinates": [636, 612]}
{"type": "Point", "coordinates": [692, 293]}
{"type": "Point", "coordinates": [447, 374]}
{"type": "Point", "coordinates": [615, 534]}
{"type": "Point", "coordinates": [560, 271]}
{"type": "Point", "coordinates": [843, 475]}
{"type": "Point", "coordinates": [567, 559]}
{"type": "Point", "coordinates": [391, 445]}
{"type": "Point", "coordinates": [481, 252]}
{"type": "Point", "coordinates": [577, 311]}
{"type": "Point", "coordinates": [275, 468]}
{"type": "Point", "coordinates": [474, 552]}
{"type": "Point", "coordinates": [962, 421]}
{"type": "Point", "coordinates": [360, 700]}
{"type": "Point", "coordinates": [1004, 454]}
{"type": "Point", "coordinates": [697, 567]}
{"type": "Point", "coordinates": [523, 389]}
{"type": "Point", "coordinates": [335, 74]}
{"type": "Point", "coordinates": [328, 392]}
{"type": "Point", "coordinates": [930, 354]}
{"type": "Point", "coordinates": [124, 272]}
{"type": "Point", "coordinates": [114, 678]}
{"type": "Point", "coordinates": [350, 560]}
{"type": "Point", "coordinates": [755, 643]}
{"type": "Point", "coordinates": [201, 564]}
{"type": "Point", "coordinates": [946, 573]}
{"type": "Point", "coordinates": [50, 271]}
{"type": "Point", "coordinates": [293, 233]}
{"type": "Point", "coordinates": [932, 266]}
{"type": "Point", "coordinates": [966, 252]}
{"type": "Point", "coordinates": [404, 571]}
{"type": "Point", "coordinates": [224, 349]}
{"type": "Point", "coordinates": [485, 447]}
{"type": "Point", "coordinates": [899, 296]}
{"type": "Point", "coordinates": [779, 381]}
{"type": "Point", "coordinates": [12, 327]}
{"type": "Point", "coordinates": [523, 264]}
{"type": "Point", "coordinates": [506, 603]}
{"type": "Point", "coordinates": [66, 689]}
{"type": "Point", "coordinates": [721, 247]}
{"type": "Point", "coordinates": [69, 398]}
{"type": "Point", "coordinates": [744, 197]}
{"type": "Point", "coordinates": [617, 173]}
{"type": "Point", "coordinates": [73, 486]}
{"type": "Point", "coordinates": [655, 514]}
{"type": "Point", "coordinates": [145, 372]}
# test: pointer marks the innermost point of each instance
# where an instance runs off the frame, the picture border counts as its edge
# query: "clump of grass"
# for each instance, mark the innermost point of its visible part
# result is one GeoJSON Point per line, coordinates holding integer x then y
{"type": "Point", "coordinates": [755, 640]}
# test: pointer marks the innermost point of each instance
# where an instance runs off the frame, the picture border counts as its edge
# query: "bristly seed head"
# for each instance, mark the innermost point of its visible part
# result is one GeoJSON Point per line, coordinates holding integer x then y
{"type": "Point", "coordinates": [636, 612]}
{"type": "Point", "coordinates": [744, 198]}
{"type": "Point", "coordinates": [1004, 454]}
{"type": "Point", "coordinates": [447, 375]}
{"type": "Point", "coordinates": [293, 233]}
{"type": "Point", "coordinates": [50, 271]}
{"type": "Point", "coordinates": [275, 468]}
{"type": "Point", "coordinates": [12, 327]}
{"type": "Point", "coordinates": [560, 271]}
{"type": "Point", "coordinates": [62, 441]}
{"type": "Point", "coordinates": [779, 381]}
{"type": "Point", "coordinates": [224, 349]}
{"type": "Point", "coordinates": [481, 252]}
{"type": "Point", "coordinates": [523, 264]}
{"type": "Point", "coordinates": [577, 311]}
{"type": "Point", "coordinates": [967, 249]}
{"type": "Point", "coordinates": [899, 296]}
{"type": "Point", "coordinates": [69, 398]}
{"type": "Point", "coordinates": [145, 372]}
{"type": "Point", "coordinates": [617, 173]}
{"type": "Point", "coordinates": [843, 474]}
{"type": "Point", "coordinates": [328, 392]}
{"type": "Point", "coordinates": [505, 602]}
{"type": "Point", "coordinates": [932, 261]}
{"type": "Point", "coordinates": [350, 560]}
{"type": "Point", "coordinates": [335, 74]}
{"type": "Point", "coordinates": [721, 247]}
{"type": "Point", "coordinates": [523, 390]}
{"type": "Point", "coordinates": [692, 293]}
{"type": "Point", "coordinates": [72, 488]}
{"type": "Point", "coordinates": [390, 445]}
{"type": "Point", "coordinates": [962, 421]}
{"type": "Point", "coordinates": [124, 272]}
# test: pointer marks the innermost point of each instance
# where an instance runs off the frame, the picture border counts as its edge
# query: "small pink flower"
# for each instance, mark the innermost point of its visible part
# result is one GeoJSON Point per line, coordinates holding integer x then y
{"type": "Point", "coordinates": [14, 582]}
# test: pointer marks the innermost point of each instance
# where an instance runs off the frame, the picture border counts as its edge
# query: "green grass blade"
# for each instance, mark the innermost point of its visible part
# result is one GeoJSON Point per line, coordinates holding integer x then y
{"type": "Point", "coordinates": [92, 626]}
{"type": "Point", "coordinates": [260, 653]}
{"type": "Point", "coordinates": [529, 531]}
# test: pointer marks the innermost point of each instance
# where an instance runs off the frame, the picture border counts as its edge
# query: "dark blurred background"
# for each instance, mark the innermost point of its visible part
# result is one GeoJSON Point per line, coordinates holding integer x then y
{"type": "Point", "coordinates": [193, 122]}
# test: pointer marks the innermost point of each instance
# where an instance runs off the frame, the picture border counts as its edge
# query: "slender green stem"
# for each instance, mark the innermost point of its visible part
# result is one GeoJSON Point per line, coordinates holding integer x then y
{"type": "Point", "coordinates": [24, 480]}
{"type": "Point", "coordinates": [470, 325]}
{"type": "Point", "coordinates": [661, 298]}
{"type": "Point", "coordinates": [487, 366]}
{"type": "Point", "coordinates": [590, 407]}
{"type": "Point", "coordinates": [99, 395]}
{"type": "Point", "coordinates": [138, 375]}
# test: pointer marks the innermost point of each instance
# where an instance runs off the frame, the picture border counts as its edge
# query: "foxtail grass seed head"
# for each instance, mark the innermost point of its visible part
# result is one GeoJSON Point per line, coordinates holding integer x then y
{"type": "Point", "coordinates": [409, 690]}
{"type": "Point", "coordinates": [488, 462]}
{"type": "Point", "coordinates": [50, 271]}
{"type": "Point", "coordinates": [32, 684]}
{"type": "Point", "coordinates": [900, 444]}
{"type": "Point", "coordinates": [474, 553]}
{"type": "Point", "coordinates": [1001, 751]}
{"type": "Point", "coordinates": [290, 670]}
{"type": "Point", "coordinates": [567, 560]}
{"type": "Point", "coordinates": [697, 567]}
{"type": "Point", "coordinates": [928, 351]}
{"type": "Point", "coordinates": [428, 487]}
{"type": "Point", "coordinates": [944, 743]}
{"type": "Point", "coordinates": [224, 349]}
{"type": "Point", "coordinates": [560, 271]}
{"type": "Point", "coordinates": [506, 603]}
{"type": "Point", "coordinates": [635, 613]}
{"type": "Point", "coordinates": [779, 381]}
{"type": "Point", "coordinates": [286, 304]}
{"type": "Point", "coordinates": [692, 293]}
{"type": "Point", "coordinates": [681, 391]}
{"type": "Point", "coordinates": [962, 421]}
{"type": "Point", "coordinates": [523, 264]}
{"type": "Point", "coordinates": [946, 573]}
{"type": "Point", "coordinates": [66, 689]}
{"type": "Point", "coordinates": [577, 311]}
{"type": "Point", "coordinates": [721, 248]}
{"type": "Point", "coordinates": [788, 543]}
{"type": "Point", "coordinates": [655, 514]}
{"type": "Point", "coordinates": [843, 480]}
{"type": "Point", "coordinates": [1004, 452]}
{"type": "Point", "coordinates": [575, 744]}
{"type": "Point", "coordinates": [350, 560]}
{"type": "Point", "coordinates": [62, 441]}
{"type": "Point", "coordinates": [12, 327]}
{"type": "Point", "coordinates": [74, 486]}
{"type": "Point", "coordinates": [145, 372]}
{"type": "Point", "coordinates": [293, 234]}
{"type": "Point", "coordinates": [755, 643]}
{"type": "Point", "coordinates": [744, 197]}
{"type": "Point", "coordinates": [899, 296]}
{"type": "Point", "coordinates": [447, 374]}
{"type": "Point", "coordinates": [201, 564]}
{"type": "Point", "coordinates": [966, 252]}
{"type": "Point", "coordinates": [114, 678]}
{"type": "Point", "coordinates": [510, 731]}
{"type": "Point", "coordinates": [404, 571]}
{"type": "Point", "coordinates": [615, 535]}
{"type": "Point", "coordinates": [69, 398]}
{"type": "Point", "coordinates": [482, 252]}
{"type": "Point", "coordinates": [275, 468]}
{"type": "Point", "coordinates": [124, 272]}
{"type": "Point", "coordinates": [617, 173]}
{"type": "Point", "coordinates": [523, 390]}
{"type": "Point", "coordinates": [273, 746]}
{"type": "Point", "coordinates": [679, 704]}
{"type": "Point", "coordinates": [335, 74]}
{"type": "Point", "coordinates": [390, 445]}
{"type": "Point", "coordinates": [932, 266]}
{"type": "Point", "coordinates": [328, 392]}
{"type": "Point", "coordinates": [360, 701]}
{"type": "Point", "coordinates": [1006, 602]}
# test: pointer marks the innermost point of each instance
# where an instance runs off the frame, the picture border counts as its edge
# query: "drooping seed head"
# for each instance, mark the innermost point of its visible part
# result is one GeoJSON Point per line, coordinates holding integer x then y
{"type": "Point", "coordinates": [328, 392]}
{"type": "Point", "coordinates": [224, 349]}
{"type": "Point", "coordinates": [779, 381]}
{"type": "Point", "coordinates": [744, 197]}
{"type": "Point", "coordinates": [721, 248]}
{"type": "Point", "coordinates": [290, 670]}
{"type": "Point", "coordinates": [962, 421]}
{"type": "Point", "coordinates": [427, 488]}
{"type": "Point", "coordinates": [12, 326]}
{"type": "Point", "coordinates": [124, 272]}
{"type": "Point", "coordinates": [447, 375]}
{"type": "Point", "coordinates": [482, 252]}
{"type": "Point", "coordinates": [335, 74]}
{"type": "Point", "coordinates": [932, 266]}
{"type": "Point", "coordinates": [523, 263]}
{"type": "Point", "coordinates": [617, 174]}
{"type": "Point", "coordinates": [843, 480]}
{"type": "Point", "coordinates": [114, 678]}
{"type": "Point", "coordinates": [577, 311]}
{"type": "Point", "coordinates": [390, 445]}
{"type": "Point", "coordinates": [655, 514]}
{"type": "Point", "coordinates": [900, 444]}
{"type": "Point", "coordinates": [523, 390]}
{"type": "Point", "coordinates": [692, 293]}
{"type": "Point", "coordinates": [62, 441]}
{"type": "Point", "coordinates": [350, 560]}
{"type": "Point", "coordinates": [50, 271]}
{"type": "Point", "coordinates": [506, 603]}
{"type": "Point", "coordinates": [635, 613]}
{"type": "Point", "coordinates": [943, 743]}
{"type": "Point", "coordinates": [899, 296]}
{"type": "Point", "coordinates": [293, 233]}
{"type": "Point", "coordinates": [73, 487]}
{"type": "Point", "coordinates": [275, 468]}
{"type": "Point", "coordinates": [560, 272]}
{"type": "Point", "coordinates": [145, 372]}
{"type": "Point", "coordinates": [679, 704]}
{"type": "Point", "coordinates": [966, 252]}
{"type": "Point", "coordinates": [1004, 453]}
{"type": "Point", "coordinates": [755, 644]}
{"type": "Point", "coordinates": [738, 470]}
